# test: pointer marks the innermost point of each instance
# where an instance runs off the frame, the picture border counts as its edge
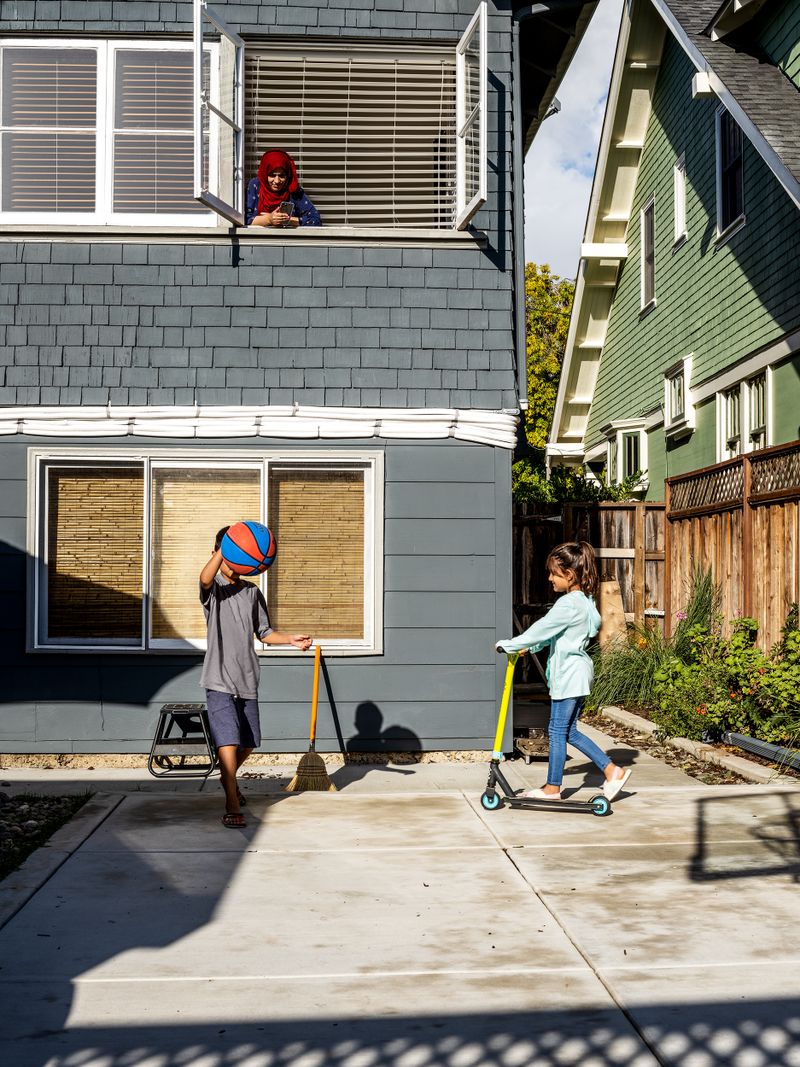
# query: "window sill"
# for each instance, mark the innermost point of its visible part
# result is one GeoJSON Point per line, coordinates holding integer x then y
{"type": "Point", "coordinates": [317, 235]}
{"type": "Point", "coordinates": [679, 428]}
{"type": "Point", "coordinates": [647, 308]}
{"type": "Point", "coordinates": [679, 242]}
{"type": "Point", "coordinates": [275, 651]}
{"type": "Point", "coordinates": [725, 235]}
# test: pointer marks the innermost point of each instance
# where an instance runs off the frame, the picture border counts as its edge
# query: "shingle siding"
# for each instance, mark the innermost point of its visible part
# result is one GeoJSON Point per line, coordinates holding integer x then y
{"type": "Point", "coordinates": [716, 302]}
{"type": "Point", "coordinates": [133, 315]}
{"type": "Point", "coordinates": [780, 37]}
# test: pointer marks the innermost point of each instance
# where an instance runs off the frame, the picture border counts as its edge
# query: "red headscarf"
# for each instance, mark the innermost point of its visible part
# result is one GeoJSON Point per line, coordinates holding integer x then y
{"type": "Point", "coordinates": [272, 160]}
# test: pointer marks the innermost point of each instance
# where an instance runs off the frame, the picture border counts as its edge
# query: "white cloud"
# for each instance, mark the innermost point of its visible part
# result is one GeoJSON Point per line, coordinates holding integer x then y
{"type": "Point", "coordinates": [560, 163]}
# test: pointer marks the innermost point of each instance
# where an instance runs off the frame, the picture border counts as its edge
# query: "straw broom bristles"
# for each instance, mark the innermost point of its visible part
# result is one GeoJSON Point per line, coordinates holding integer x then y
{"type": "Point", "coordinates": [311, 773]}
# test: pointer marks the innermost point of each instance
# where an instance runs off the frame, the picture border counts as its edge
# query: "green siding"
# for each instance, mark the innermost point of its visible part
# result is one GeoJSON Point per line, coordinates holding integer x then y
{"type": "Point", "coordinates": [718, 303]}
{"type": "Point", "coordinates": [786, 400]}
{"type": "Point", "coordinates": [780, 38]}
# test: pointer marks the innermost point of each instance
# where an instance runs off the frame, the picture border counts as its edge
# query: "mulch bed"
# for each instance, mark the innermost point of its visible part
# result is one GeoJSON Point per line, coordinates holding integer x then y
{"type": "Point", "coordinates": [708, 773]}
{"type": "Point", "coordinates": [26, 822]}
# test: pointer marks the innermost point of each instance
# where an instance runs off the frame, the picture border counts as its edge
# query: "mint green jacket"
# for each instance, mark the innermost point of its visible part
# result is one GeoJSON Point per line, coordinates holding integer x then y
{"type": "Point", "coordinates": [567, 628]}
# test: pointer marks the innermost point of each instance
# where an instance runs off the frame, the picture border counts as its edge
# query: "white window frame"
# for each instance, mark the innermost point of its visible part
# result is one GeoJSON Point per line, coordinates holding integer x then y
{"type": "Point", "coordinates": [615, 433]}
{"type": "Point", "coordinates": [646, 304]}
{"type": "Point", "coordinates": [464, 122]}
{"type": "Point", "coordinates": [679, 199]}
{"type": "Point", "coordinates": [723, 233]}
{"type": "Point", "coordinates": [40, 460]}
{"type": "Point", "coordinates": [104, 214]}
{"type": "Point", "coordinates": [744, 388]}
{"type": "Point", "coordinates": [204, 108]}
{"type": "Point", "coordinates": [676, 424]}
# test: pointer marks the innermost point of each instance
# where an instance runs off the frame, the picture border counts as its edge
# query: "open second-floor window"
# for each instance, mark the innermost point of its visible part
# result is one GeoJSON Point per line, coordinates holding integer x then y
{"type": "Point", "coordinates": [383, 135]}
{"type": "Point", "coordinates": [120, 542]}
{"type": "Point", "coordinates": [730, 172]}
{"type": "Point", "coordinates": [97, 132]}
{"type": "Point", "coordinates": [647, 219]}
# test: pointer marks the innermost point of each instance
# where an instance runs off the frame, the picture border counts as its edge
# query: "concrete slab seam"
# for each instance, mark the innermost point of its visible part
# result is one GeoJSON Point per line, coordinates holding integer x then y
{"type": "Point", "coordinates": [94, 819]}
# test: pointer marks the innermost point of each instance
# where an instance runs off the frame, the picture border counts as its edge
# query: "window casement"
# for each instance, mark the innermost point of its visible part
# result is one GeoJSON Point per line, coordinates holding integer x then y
{"type": "Point", "coordinates": [384, 135]}
{"type": "Point", "coordinates": [744, 416]}
{"type": "Point", "coordinates": [679, 198]}
{"type": "Point", "coordinates": [97, 132]}
{"type": "Point", "coordinates": [647, 223]}
{"type": "Point", "coordinates": [626, 451]}
{"type": "Point", "coordinates": [679, 412]}
{"type": "Point", "coordinates": [757, 405]}
{"type": "Point", "coordinates": [730, 173]}
{"type": "Point", "coordinates": [120, 541]}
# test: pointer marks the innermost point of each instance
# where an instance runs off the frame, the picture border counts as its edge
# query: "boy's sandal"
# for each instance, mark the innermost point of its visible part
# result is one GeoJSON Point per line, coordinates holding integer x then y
{"type": "Point", "coordinates": [234, 820]}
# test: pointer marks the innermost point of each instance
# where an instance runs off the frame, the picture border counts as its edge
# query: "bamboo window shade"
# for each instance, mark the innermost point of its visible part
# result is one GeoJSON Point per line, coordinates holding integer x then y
{"type": "Point", "coordinates": [371, 128]}
{"type": "Point", "coordinates": [153, 141]}
{"type": "Point", "coordinates": [95, 552]}
{"type": "Point", "coordinates": [49, 129]}
{"type": "Point", "coordinates": [189, 506]}
{"type": "Point", "coordinates": [317, 582]}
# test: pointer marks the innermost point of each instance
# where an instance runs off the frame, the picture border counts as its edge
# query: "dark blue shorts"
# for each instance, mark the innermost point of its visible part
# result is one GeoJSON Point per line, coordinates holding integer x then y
{"type": "Point", "coordinates": [233, 720]}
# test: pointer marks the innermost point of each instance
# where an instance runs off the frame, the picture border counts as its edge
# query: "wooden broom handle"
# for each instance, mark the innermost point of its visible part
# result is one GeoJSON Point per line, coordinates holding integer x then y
{"type": "Point", "coordinates": [315, 695]}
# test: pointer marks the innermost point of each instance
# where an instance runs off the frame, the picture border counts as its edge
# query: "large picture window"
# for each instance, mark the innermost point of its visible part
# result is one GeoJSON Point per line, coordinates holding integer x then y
{"type": "Point", "coordinates": [120, 544]}
{"type": "Point", "coordinates": [98, 132]}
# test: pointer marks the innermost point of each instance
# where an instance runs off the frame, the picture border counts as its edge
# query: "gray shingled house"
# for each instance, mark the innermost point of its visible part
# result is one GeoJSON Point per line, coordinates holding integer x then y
{"type": "Point", "coordinates": [165, 370]}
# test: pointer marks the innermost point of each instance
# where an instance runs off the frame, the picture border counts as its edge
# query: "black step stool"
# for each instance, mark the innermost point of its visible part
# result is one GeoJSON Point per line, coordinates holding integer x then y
{"type": "Point", "coordinates": [182, 731]}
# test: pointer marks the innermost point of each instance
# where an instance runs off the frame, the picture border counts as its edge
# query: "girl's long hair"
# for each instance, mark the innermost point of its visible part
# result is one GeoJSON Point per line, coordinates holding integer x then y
{"type": "Point", "coordinates": [578, 557]}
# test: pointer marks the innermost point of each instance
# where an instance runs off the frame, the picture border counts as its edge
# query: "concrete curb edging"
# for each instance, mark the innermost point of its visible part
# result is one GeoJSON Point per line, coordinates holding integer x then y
{"type": "Point", "coordinates": [753, 772]}
{"type": "Point", "coordinates": [18, 888]}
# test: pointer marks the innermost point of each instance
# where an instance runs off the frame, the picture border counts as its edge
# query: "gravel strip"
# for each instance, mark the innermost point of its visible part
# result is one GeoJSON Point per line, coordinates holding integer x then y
{"type": "Point", "coordinates": [28, 820]}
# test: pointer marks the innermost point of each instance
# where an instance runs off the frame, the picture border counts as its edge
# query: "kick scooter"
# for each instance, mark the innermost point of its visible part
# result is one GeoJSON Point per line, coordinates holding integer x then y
{"type": "Point", "coordinates": [492, 800]}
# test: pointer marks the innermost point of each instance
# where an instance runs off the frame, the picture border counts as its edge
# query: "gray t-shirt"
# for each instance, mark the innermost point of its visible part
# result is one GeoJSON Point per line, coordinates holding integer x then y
{"type": "Point", "coordinates": [234, 612]}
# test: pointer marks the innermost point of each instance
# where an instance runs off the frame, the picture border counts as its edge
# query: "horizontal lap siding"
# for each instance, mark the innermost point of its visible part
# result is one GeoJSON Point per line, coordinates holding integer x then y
{"type": "Point", "coordinates": [446, 600]}
{"type": "Point", "coordinates": [716, 303]}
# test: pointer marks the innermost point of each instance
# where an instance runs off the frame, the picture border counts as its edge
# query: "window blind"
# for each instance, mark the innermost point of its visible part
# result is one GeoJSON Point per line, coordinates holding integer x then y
{"type": "Point", "coordinates": [317, 584]}
{"type": "Point", "coordinates": [153, 141]}
{"type": "Point", "coordinates": [371, 129]}
{"type": "Point", "coordinates": [94, 552]}
{"type": "Point", "coordinates": [188, 508]}
{"type": "Point", "coordinates": [48, 143]}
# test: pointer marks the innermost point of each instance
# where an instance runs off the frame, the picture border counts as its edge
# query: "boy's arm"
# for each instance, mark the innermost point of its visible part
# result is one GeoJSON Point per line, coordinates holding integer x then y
{"type": "Point", "coordinates": [209, 572]}
{"type": "Point", "coordinates": [543, 630]}
{"type": "Point", "coordinates": [275, 637]}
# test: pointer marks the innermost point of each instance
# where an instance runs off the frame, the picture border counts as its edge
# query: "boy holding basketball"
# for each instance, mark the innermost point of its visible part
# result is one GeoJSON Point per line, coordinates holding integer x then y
{"type": "Point", "coordinates": [234, 610]}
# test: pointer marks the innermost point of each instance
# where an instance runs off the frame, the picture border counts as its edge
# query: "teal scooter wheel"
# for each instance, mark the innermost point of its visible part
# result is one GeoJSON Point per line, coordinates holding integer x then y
{"type": "Point", "coordinates": [600, 806]}
{"type": "Point", "coordinates": [491, 800]}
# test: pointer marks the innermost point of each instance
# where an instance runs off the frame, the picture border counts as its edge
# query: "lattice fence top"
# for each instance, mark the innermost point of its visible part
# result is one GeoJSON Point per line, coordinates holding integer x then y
{"type": "Point", "coordinates": [709, 488]}
{"type": "Point", "coordinates": [775, 473]}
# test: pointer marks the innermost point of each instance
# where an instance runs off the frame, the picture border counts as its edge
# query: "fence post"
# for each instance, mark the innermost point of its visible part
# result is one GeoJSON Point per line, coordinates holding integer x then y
{"type": "Point", "coordinates": [667, 561]}
{"type": "Point", "coordinates": [747, 539]}
{"type": "Point", "coordinates": [639, 599]}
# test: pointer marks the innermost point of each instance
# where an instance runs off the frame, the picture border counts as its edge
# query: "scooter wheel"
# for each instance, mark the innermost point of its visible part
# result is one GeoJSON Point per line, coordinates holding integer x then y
{"type": "Point", "coordinates": [600, 806]}
{"type": "Point", "coordinates": [491, 801]}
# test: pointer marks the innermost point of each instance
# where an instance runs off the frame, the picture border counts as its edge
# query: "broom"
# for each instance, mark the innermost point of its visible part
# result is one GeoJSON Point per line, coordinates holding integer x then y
{"type": "Point", "coordinates": [311, 773]}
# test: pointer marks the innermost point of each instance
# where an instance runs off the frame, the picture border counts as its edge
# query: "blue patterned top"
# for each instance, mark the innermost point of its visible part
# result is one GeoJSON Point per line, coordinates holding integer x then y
{"type": "Point", "coordinates": [303, 208]}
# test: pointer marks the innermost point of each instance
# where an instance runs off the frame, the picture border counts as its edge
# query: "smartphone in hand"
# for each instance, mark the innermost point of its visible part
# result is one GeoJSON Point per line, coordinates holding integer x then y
{"type": "Point", "coordinates": [286, 208]}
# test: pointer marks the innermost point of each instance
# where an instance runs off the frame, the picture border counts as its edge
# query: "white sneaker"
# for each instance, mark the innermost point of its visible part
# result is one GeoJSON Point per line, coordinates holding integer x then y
{"type": "Point", "coordinates": [612, 786]}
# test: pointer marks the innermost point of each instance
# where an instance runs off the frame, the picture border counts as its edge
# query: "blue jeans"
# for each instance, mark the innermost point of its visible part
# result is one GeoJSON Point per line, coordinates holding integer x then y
{"type": "Point", "coordinates": [563, 729]}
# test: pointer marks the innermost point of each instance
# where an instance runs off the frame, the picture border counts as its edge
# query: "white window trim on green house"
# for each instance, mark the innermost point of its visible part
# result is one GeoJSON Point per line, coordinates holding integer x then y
{"type": "Point", "coordinates": [40, 461]}
{"type": "Point", "coordinates": [619, 435]}
{"type": "Point", "coordinates": [679, 200]}
{"type": "Point", "coordinates": [745, 436]}
{"type": "Point", "coordinates": [677, 391]}
{"type": "Point", "coordinates": [647, 260]}
{"type": "Point", "coordinates": [727, 227]}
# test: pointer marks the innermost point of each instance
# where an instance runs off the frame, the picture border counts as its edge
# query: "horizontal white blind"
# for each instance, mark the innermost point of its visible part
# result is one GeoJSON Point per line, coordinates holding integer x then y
{"type": "Point", "coordinates": [153, 145]}
{"type": "Point", "coordinates": [48, 144]}
{"type": "Point", "coordinates": [372, 129]}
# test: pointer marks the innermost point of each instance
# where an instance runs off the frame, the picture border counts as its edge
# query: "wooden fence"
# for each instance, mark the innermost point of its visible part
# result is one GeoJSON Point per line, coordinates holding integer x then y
{"type": "Point", "coordinates": [742, 519]}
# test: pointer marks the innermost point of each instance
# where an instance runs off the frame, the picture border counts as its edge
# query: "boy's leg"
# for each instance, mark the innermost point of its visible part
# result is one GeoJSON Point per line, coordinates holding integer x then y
{"type": "Point", "coordinates": [228, 765]}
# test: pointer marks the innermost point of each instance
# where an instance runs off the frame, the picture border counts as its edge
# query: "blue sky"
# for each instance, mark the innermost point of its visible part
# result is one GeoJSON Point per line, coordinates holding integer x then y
{"type": "Point", "coordinates": [560, 164]}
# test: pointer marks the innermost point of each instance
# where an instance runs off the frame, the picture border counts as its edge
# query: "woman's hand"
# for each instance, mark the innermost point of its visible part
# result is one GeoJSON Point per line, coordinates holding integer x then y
{"type": "Point", "coordinates": [273, 218]}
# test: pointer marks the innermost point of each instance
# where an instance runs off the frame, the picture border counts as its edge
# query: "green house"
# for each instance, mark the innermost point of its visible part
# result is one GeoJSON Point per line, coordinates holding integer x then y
{"type": "Point", "coordinates": [684, 346]}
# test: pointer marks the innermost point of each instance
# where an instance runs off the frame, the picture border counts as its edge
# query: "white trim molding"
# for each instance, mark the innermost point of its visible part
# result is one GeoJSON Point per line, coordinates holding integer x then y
{"type": "Point", "coordinates": [295, 422]}
{"type": "Point", "coordinates": [682, 423]}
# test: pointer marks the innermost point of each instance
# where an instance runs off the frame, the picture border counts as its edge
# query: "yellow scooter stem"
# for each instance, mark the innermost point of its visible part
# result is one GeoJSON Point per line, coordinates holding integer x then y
{"type": "Point", "coordinates": [504, 702]}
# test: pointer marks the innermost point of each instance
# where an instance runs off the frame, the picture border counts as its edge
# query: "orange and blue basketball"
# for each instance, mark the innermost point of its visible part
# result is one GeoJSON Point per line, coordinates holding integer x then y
{"type": "Point", "coordinates": [249, 548]}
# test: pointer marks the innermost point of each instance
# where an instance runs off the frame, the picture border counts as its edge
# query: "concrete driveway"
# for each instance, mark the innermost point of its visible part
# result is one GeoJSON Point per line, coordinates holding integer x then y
{"type": "Point", "coordinates": [396, 924]}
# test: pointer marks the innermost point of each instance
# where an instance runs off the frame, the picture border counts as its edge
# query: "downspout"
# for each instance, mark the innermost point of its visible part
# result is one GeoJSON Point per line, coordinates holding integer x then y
{"type": "Point", "coordinates": [518, 187]}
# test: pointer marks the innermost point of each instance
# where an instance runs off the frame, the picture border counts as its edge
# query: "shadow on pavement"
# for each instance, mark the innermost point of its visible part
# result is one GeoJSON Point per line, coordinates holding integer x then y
{"type": "Point", "coordinates": [774, 835]}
